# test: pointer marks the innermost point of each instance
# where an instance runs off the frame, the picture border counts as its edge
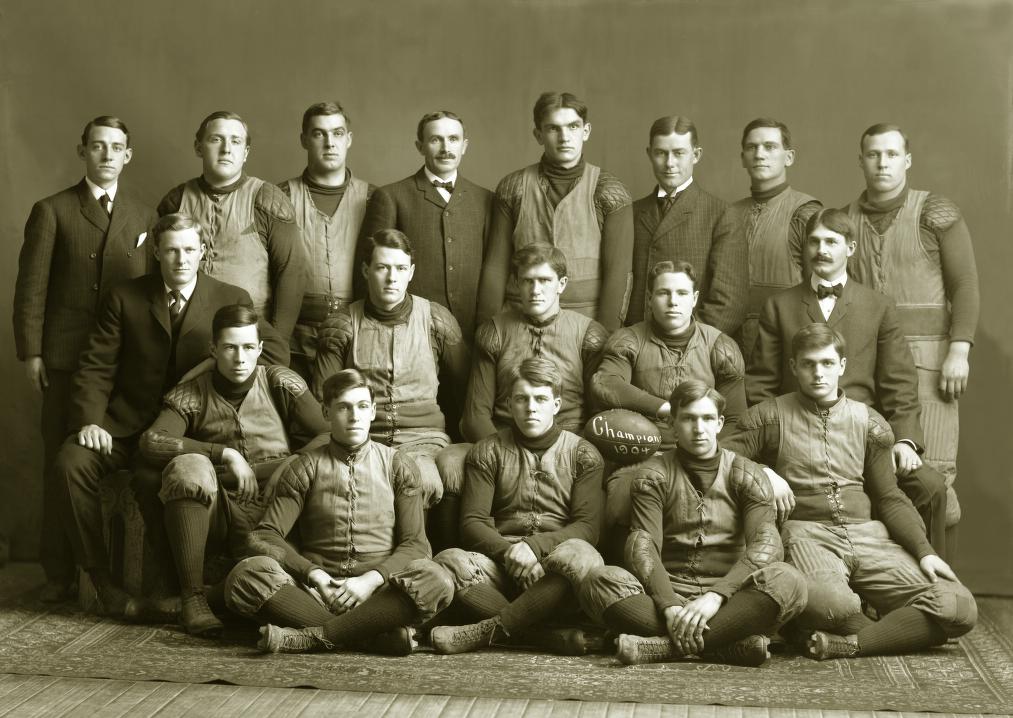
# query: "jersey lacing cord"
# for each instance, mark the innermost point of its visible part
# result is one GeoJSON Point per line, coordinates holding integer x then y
{"type": "Point", "coordinates": [833, 490]}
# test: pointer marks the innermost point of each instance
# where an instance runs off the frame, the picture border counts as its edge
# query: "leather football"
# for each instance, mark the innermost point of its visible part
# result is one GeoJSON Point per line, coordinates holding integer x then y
{"type": "Point", "coordinates": [623, 436]}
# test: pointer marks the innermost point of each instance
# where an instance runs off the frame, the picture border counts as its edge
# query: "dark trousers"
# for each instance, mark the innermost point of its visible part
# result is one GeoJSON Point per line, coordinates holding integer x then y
{"type": "Point", "coordinates": [927, 490]}
{"type": "Point", "coordinates": [55, 542]}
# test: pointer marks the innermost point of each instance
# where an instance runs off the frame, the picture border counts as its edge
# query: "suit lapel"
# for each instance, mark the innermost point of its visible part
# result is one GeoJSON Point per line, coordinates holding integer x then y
{"type": "Point", "coordinates": [812, 304]}
{"type": "Point", "coordinates": [842, 304]}
{"type": "Point", "coordinates": [649, 219]}
{"type": "Point", "coordinates": [194, 308]}
{"type": "Point", "coordinates": [680, 213]}
{"type": "Point", "coordinates": [159, 306]}
{"type": "Point", "coordinates": [423, 185]}
{"type": "Point", "coordinates": [91, 209]}
{"type": "Point", "coordinates": [120, 216]}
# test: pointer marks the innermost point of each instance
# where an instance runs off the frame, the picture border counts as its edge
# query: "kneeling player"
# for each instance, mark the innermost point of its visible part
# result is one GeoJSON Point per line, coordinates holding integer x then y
{"type": "Point", "coordinates": [835, 455]}
{"type": "Point", "coordinates": [530, 516]}
{"type": "Point", "coordinates": [704, 556]}
{"type": "Point", "coordinates": [364, 570]}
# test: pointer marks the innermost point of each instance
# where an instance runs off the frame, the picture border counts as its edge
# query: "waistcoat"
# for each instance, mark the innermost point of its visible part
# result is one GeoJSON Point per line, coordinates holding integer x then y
{"type": "Point", "coordinates": [768, 233]}
{"type": "Point", "coordinates": [560, 341]}
{"type": "Point", "coordinates": [658, 369]}
{"type": "Point", "coordinates": [330, 239]}
{"type": "Point", "coordinates": [349, 509]}
{"type": "Point", "coordinates": [822, 457]}
{"type": "Point", "coordinates": [256, 429]}
{"type": "Point", "coordinates": [399, 365]}
{"type": "Point", "coordinates": [533, 495]}
{"type": "Point", "coordinates": [236, 253]}
{"type": "Point", "coordinates": [702, 531]}
{"type": "Point", "coordinates": [572, 226]}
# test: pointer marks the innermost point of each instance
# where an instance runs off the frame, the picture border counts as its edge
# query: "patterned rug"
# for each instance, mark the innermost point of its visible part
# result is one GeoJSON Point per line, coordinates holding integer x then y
{"type": "Point", "coordinates": [974, 675]}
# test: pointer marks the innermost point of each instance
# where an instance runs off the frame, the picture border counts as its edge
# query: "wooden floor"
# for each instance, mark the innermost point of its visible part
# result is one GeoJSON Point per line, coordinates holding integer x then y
{"type": "Point", "coordinates": [49, 696]}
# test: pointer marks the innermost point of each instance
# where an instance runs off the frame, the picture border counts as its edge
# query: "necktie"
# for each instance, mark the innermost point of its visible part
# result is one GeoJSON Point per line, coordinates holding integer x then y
{"type": "Point", "coordinates": [665, 203]}
{"type": "Point", "coordinates": [823, 291]}
{"type": "Point", "coordinates": [449, 186]}
{"type": "Point", "coordinates": [176, 308]}
{"type": "Point", "coordinates": [106, 203]}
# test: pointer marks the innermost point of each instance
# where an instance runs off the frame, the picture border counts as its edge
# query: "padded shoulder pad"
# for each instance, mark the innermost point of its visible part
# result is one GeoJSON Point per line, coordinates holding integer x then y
{"type": "Point", "coordinates": [337, 327]}
{"type": "Point", "coordinates": [171, 201]}
{"type": "Point", "coordinates": [185, 398]}
{"type": "Point", "coordinates": [510, 187]}
{"type": "Point", "coordinates": [285, 378]}
{"type": "Point", "coordinates": [275, 203]}
{"type": "Point", "coordinates": [726, 358]}
{"type": "Point", "coordinates": [624, 343]}
{"type": "Point", "coordinates": [750, 476]}
{"type": "Point", "coordinates": [595, 336]}
{"type": "Point", "coordinates": [758, 415]}
{"type": "Point", "coordinates": [939, 213]}
{"type": "Point", "coordinates": [588, 457]}
{"type": "Point", "coordinates": [649, 479]}
{"type": "Point", "coordinates": [879, 433]}
{"type": "Point", "coordinates": [487, 338]}
{"type": "Point", "coordinates": [406, 479]}
{"type": "Point", "coordinates": [611, 194]}
{"type": "Point", "coordinates": [294, 481]}
{"type": "Point", "coordinates": [445, 324]}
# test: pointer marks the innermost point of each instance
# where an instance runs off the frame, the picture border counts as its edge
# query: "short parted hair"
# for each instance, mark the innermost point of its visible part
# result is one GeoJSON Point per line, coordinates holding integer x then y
{"type": "Point", "coordinates": [817, 336]}
{"type": "Point", "coordinates": [881, 128]}
{"type": "Point", "coordinates": [768, 122]}
{"type": "Point", "coordinates": [539, 371]}
{"type": "Point", "coordinates": [532, 255]}
{"type": "Point", "coordinates": [233, 315]}
{"type": "Point", "coordinates": [392, 239]}
{"type": "Point", "coordinates": [223, 115]}
{"type": "Point", "coordinates": [674, 124]}
{"type": "Point", "coordinates": [668, 266]}
{"type": "Point", "coordinates": [438, 115]}
{"type": "Point", "coordinates": [342, 381]}
{"type": "Point", "coordinates": [175, 222]}
{"type": "Point", "coordinates": [323, 108]}
{"type": "Point", "coordinates": [105, 121]}
{"type": "Point", "coordinates": [551, 101]}
{"type": "Point", "coordinates": [836, 220]}
{"type": "Point", "coordinates": [692, 390]}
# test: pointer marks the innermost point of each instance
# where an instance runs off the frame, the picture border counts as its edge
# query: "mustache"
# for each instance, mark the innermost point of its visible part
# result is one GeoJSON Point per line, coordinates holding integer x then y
{"type": "Point", "coordinates": [446, 156]}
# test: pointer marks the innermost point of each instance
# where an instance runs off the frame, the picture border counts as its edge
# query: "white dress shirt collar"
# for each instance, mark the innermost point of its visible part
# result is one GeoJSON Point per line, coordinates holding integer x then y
{"type": "Point", "coordinates": [662, 193]}
{"type": "Point", "coordinates": [815, 280]}
{"type": "Point", "coordinates": [186, 290]}
{"type": "Point", "coordinates": [442, 190]}
{"type": "Point", "coordinates": [97, 191]}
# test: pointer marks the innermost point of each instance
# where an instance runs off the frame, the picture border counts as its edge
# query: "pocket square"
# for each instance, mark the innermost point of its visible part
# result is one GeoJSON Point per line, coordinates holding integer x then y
{"type": "Point", "coordinates": [140, 238]}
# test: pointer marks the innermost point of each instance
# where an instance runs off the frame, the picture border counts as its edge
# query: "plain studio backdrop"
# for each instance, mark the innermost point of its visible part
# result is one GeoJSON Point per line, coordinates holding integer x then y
{"type": "Point", "coordinates": [941, 70]}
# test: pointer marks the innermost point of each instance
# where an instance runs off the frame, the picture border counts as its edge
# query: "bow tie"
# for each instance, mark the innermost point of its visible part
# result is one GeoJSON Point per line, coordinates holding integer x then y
{"type": "Point", "coordinates": [449, 186]}
{"type": "Point", "coordinates": [823, 291]}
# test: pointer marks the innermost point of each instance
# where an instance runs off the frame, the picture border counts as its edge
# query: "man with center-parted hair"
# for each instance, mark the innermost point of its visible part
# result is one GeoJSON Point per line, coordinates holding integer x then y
{"type": "Point", "coordinates": [329, 205]}
{"type": "Point", "coordinates": [881, 371]}
{"type": "Point", "coordinates": [363, 572]}
{"type": "Point", "coordinates": [835, 455]}
{"type": "Point", "coordinates": [401, 343]}
{"type": "Point", "coordinates": [252, 238]}
{"type": "Point", "coordinates": [570, 204]}
{"type": "Point", "coordinates": [772, 218]}
{"type": "Point", "coordinates": [678, 220]}
{"type": "Point", "coordinates": [220, 438]}
{"type": "Point", "coordinates": [445, 215]}
{"type": "Point", "coordinates": [78, 243]}
{"type": "Point", "coordinates": [530, 515]}
{"type": "Point", "coordinates": [703, 572]}
{"type": "Point", "coordinates": [149, 332]}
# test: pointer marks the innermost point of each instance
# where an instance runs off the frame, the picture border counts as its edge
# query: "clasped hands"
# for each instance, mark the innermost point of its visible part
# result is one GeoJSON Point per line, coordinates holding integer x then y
{"type": "Point", "coordinates": [686, 624]}
{"type": "Point", "coordinates": [344, 594]}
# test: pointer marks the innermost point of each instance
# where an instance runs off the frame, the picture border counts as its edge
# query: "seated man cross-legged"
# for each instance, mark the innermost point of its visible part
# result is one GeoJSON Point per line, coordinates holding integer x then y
{"type": "Point", "coordinates": [835, 455]}
{"type": "Point", "coordinates": [530, 516]}
{"type": "Point", "coordinates": [363, 570]}
{"type": "Point", "coordinates": [220, 438]}
{"type": "Point", "coordinates": [705, 572]}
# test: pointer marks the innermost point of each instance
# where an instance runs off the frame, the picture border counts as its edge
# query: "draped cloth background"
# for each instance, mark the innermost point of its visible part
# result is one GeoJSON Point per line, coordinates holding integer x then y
{"type": "Point", "coordinates": [944, 71]}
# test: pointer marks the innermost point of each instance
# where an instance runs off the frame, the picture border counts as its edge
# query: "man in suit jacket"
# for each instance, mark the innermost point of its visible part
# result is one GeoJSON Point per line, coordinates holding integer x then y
{"type": "Point", "coordinates": [149, 332]}
{"type": "Point", "coordinates": [78, 243]}
{"type": "Point", "coordinates": [880, 369]}
{"type": "Point", "coordinates": [445, 216]}
{"type": "Point", "coordinates": [329, 206]}
{"type": "Point", "coordinates": [678, 221]}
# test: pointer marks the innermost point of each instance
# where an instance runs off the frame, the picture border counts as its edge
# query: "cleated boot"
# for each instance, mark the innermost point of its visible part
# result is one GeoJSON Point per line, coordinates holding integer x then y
{"type": "Point", "coordinates": [750, 651]}
{"type": "Point", "coordinates": [633, 650]}
{"type": "Point", "coordinates": [198, 619]}
{"type": "Point", "coordinates": [400, 642]}
{"type": "Point", "coordinates": [571, 641]}
{"type": "Point", "coordinates": [167, 609]}
{"type": "Point", "coordinates": [275, 639]}
{"type": "Point", "coordinates": [462, 639]}
{"type": "Point", "coordinates": [823, 646]}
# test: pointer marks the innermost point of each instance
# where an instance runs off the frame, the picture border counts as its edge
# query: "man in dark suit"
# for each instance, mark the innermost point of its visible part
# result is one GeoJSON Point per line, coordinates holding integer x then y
{"type": "Point", "coordinates": [78, 243]}
{"type": "Point", "coordinates": [678, 221]}
{"type": "Point", "coordinates": [149, 332]}
{"type": "Point", "coordinates": [445, 216]}
{"type": "Point", "coordinates": [880, 370]}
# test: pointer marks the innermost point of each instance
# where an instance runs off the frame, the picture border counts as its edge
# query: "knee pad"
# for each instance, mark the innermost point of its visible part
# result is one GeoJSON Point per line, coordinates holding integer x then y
{"type": "Point", "coordinates": [190, 476]}
{"type": "Point", "coordinates": [605, 586]}
{"type": "Point", "coordinates": [951, 605]}
{"type": "Point", "coordinates": [573, 559]}
{"type": "Point", "coordinates": [429, 585]}
{"type": "Point", "coordinates": [466, 568]}
{"type": "Point", "coordinates": [253, 581]}
{"type": "Point", "coordinates": [829, 603]}
{"type": "Point", "coordinates": [450, 464]}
